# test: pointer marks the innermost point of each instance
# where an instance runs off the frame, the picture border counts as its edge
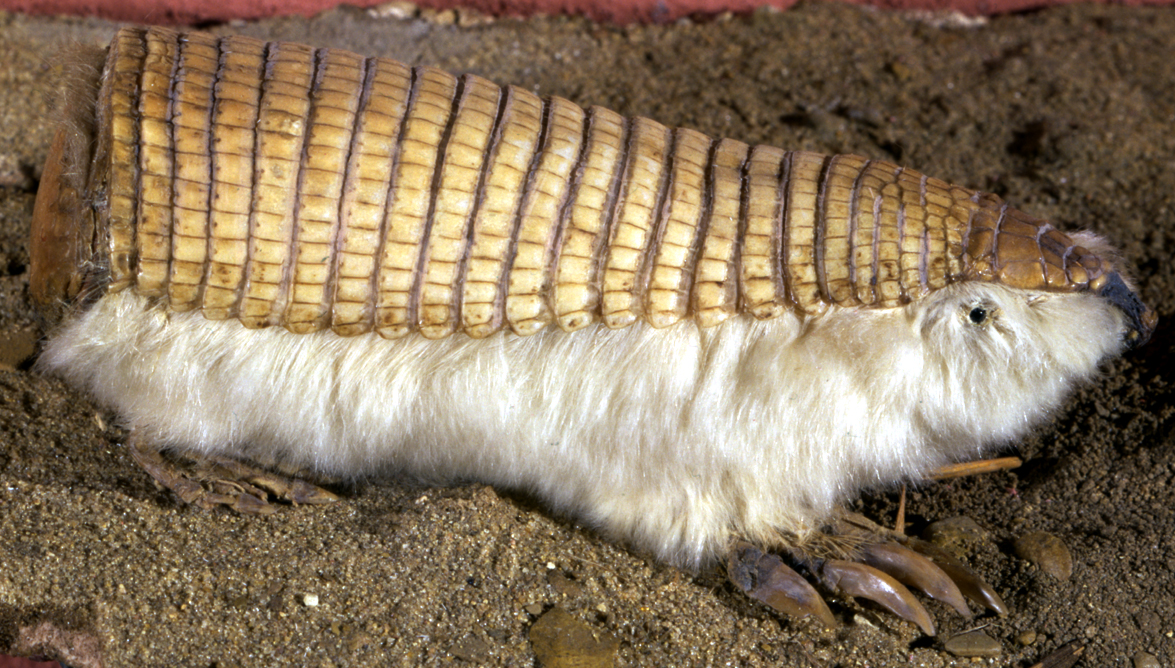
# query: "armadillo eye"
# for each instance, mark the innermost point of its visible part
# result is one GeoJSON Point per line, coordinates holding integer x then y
{"type": "Point", "coordinates": [978, 315]}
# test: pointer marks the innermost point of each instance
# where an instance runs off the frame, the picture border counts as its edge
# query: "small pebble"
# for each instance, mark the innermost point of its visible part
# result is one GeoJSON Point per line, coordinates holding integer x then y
{"type": "Point", "coordinates": [975, 643]}
{"type": "Point", "coordinates": [394, 10]}
{"type": "Point", "coordinates": [310, 600]}
{"type": "Point", "coordinates": [564, 585]}
{"type": "Point", "coordinates": [1047, 552]}
{"type": "Point", "coordinates": [901, 71]}
{"type": "Point", "coordinates": [560, 640]}
{"type": "Point", "coordinates": [471, 648]}
{"type": "Point", "coordinates": [1026, 638]}
{"type": "Point", "coordinates": [17, 346]}
{"type": "Point", "coordinates": [468, 18]}
{"type": "Point", "coordinates": [443, 17]}
{"type": "Point", "coordinates": [1145, 660]}
{"type": "Point", "coordinates": [358, 641]}
{"type": "Point", "coordinates": [12, 173]}
{"type": "Point", "coordinates": [1148, 622]}
{"type": "Point", "coordinates": [955, 533]}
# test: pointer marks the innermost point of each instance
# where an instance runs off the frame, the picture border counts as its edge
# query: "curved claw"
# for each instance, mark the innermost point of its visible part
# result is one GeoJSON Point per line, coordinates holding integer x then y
{"type": "Point", "coordinates": [297, 492]}
{"type": "Point", "coordinates": [293, 490]}
{"type": "Point", "coordinates": [765, 578]}
{"type": "Point", "coordinates": [868, 582]}
{"type": "Point", "coordinates": [972, 586]}
{"type": "Point", "coordinates": [250, 505]}
{"type": "Point", "coordinates": [302, 492]}
{"type": "Point", "coordinates": [915, 570]}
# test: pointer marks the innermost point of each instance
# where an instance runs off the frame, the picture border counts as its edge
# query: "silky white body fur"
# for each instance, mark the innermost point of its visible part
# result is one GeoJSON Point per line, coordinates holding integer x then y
{"type": "Point", "coordinates": [670, 439]}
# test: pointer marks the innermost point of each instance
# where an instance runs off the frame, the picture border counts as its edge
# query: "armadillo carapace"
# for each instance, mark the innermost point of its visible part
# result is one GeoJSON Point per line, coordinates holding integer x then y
{"type": "Point", "coordinates": [273, 252]}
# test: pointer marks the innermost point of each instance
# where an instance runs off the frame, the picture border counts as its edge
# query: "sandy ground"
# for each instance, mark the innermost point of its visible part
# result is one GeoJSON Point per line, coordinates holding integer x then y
{"type": "Point", "coordinates": [1067, 112]}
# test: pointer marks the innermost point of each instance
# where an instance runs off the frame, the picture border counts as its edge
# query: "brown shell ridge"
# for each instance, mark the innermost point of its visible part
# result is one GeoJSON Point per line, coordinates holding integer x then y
{"type": "Point", "coordinates": [422, 260]}
{"type": "Point", "coordinates": [371, 312]}
{"type": "Point", "coordinates": [358, 194]}
{"type": "Point", "coordinates": [562, 223]}
{"type": "Point", "coordinates": [325, 315]}
{"type": "Point", "coordinates": [493, 154]}
{"type": "Point", "coordinates": [694, 255]}
{"type": "Point", "coordinates": [854, 224]}
{"type": "Point", "coordinates": [662, 205]}
{"type": "Point", "coordinates": [122, 187]}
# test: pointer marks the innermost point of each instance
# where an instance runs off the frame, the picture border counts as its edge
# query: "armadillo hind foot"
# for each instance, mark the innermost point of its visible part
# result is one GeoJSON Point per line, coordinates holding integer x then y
{"type": "Point", "coordinates": [213, 481]}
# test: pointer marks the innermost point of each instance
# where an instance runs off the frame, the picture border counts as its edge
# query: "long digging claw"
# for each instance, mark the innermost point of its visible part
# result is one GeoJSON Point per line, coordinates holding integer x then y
{"type": "Point", "coordinates": [915, 570]}
{"type": "Point", "coordinates": [295, 491]}
{"type": "Point", "coordinates": [856, 579]}
{"type": "Point", "coordinates": [765, 578]}
{"type": "Point", "coordinates": [164, 474]}
{"type": "Point", "coordinates": [972, 586]}
{"type": "Point", "coordinates": [247, 504]}
{"type": "Point", "coordinates": [302, 492]}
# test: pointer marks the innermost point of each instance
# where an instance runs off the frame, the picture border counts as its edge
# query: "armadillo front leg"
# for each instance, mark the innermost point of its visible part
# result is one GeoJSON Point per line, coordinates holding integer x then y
{"type": "Point", "coordinates": [864, 563]}
{"type": "Point", "coordinates": [219, 481]}
{"type": "Point", "coordinates": [767, 579]}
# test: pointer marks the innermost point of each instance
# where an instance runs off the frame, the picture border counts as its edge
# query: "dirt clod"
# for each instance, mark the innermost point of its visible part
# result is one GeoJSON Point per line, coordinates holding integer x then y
{"type": "Point", "coordinates": [563, 641]}
{"type": "Point", "coordinates": [1047, 552]}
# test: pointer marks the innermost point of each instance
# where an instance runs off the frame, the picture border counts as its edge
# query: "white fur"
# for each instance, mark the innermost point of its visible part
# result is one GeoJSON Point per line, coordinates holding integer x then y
{"type": "Point", "coordinates": [671, 439]}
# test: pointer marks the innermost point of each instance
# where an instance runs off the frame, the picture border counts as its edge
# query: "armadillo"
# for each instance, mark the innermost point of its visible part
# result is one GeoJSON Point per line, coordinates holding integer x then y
{"type": "Point", "coordinates": [269, 252]}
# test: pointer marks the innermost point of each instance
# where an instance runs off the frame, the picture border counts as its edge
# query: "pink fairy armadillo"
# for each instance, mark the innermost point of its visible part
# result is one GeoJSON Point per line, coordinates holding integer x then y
{"type": "Point", "coordinates": [270, 252]}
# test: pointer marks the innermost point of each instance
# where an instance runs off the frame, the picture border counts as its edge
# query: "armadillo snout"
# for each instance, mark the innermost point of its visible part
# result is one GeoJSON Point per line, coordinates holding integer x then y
{"type": "Point", "coordinates": [1140, 318]}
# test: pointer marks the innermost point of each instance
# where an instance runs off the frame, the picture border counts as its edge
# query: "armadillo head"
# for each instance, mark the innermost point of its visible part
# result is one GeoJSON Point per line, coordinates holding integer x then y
{"type": "Point", "coordinates": [1007, 246]}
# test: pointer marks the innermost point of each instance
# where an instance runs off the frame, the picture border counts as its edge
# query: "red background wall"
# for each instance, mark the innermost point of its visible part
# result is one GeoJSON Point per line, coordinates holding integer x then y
{"type": "Point", "coordinates": [616, 11]}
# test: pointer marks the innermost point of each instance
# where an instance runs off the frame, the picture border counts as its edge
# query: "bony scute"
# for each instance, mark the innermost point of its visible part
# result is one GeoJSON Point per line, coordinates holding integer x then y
{"type": "Point", "coordinates": [271, 252]}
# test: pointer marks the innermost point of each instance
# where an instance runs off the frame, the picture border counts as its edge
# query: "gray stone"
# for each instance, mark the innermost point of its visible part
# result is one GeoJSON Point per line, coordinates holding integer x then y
{"type": "Point", "coordinates": [975, 643]}
{"type": "Point", "coordinates": [1145, 660]}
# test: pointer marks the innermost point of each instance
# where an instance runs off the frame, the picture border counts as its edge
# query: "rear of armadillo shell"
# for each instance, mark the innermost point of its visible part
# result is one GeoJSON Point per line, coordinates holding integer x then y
{"type": "Point", "coordinates": [63, 267]}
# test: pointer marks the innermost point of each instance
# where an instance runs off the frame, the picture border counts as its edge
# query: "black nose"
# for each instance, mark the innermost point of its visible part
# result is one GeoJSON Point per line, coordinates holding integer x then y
{"type": "Point", "coordinates": [1141, 318]}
